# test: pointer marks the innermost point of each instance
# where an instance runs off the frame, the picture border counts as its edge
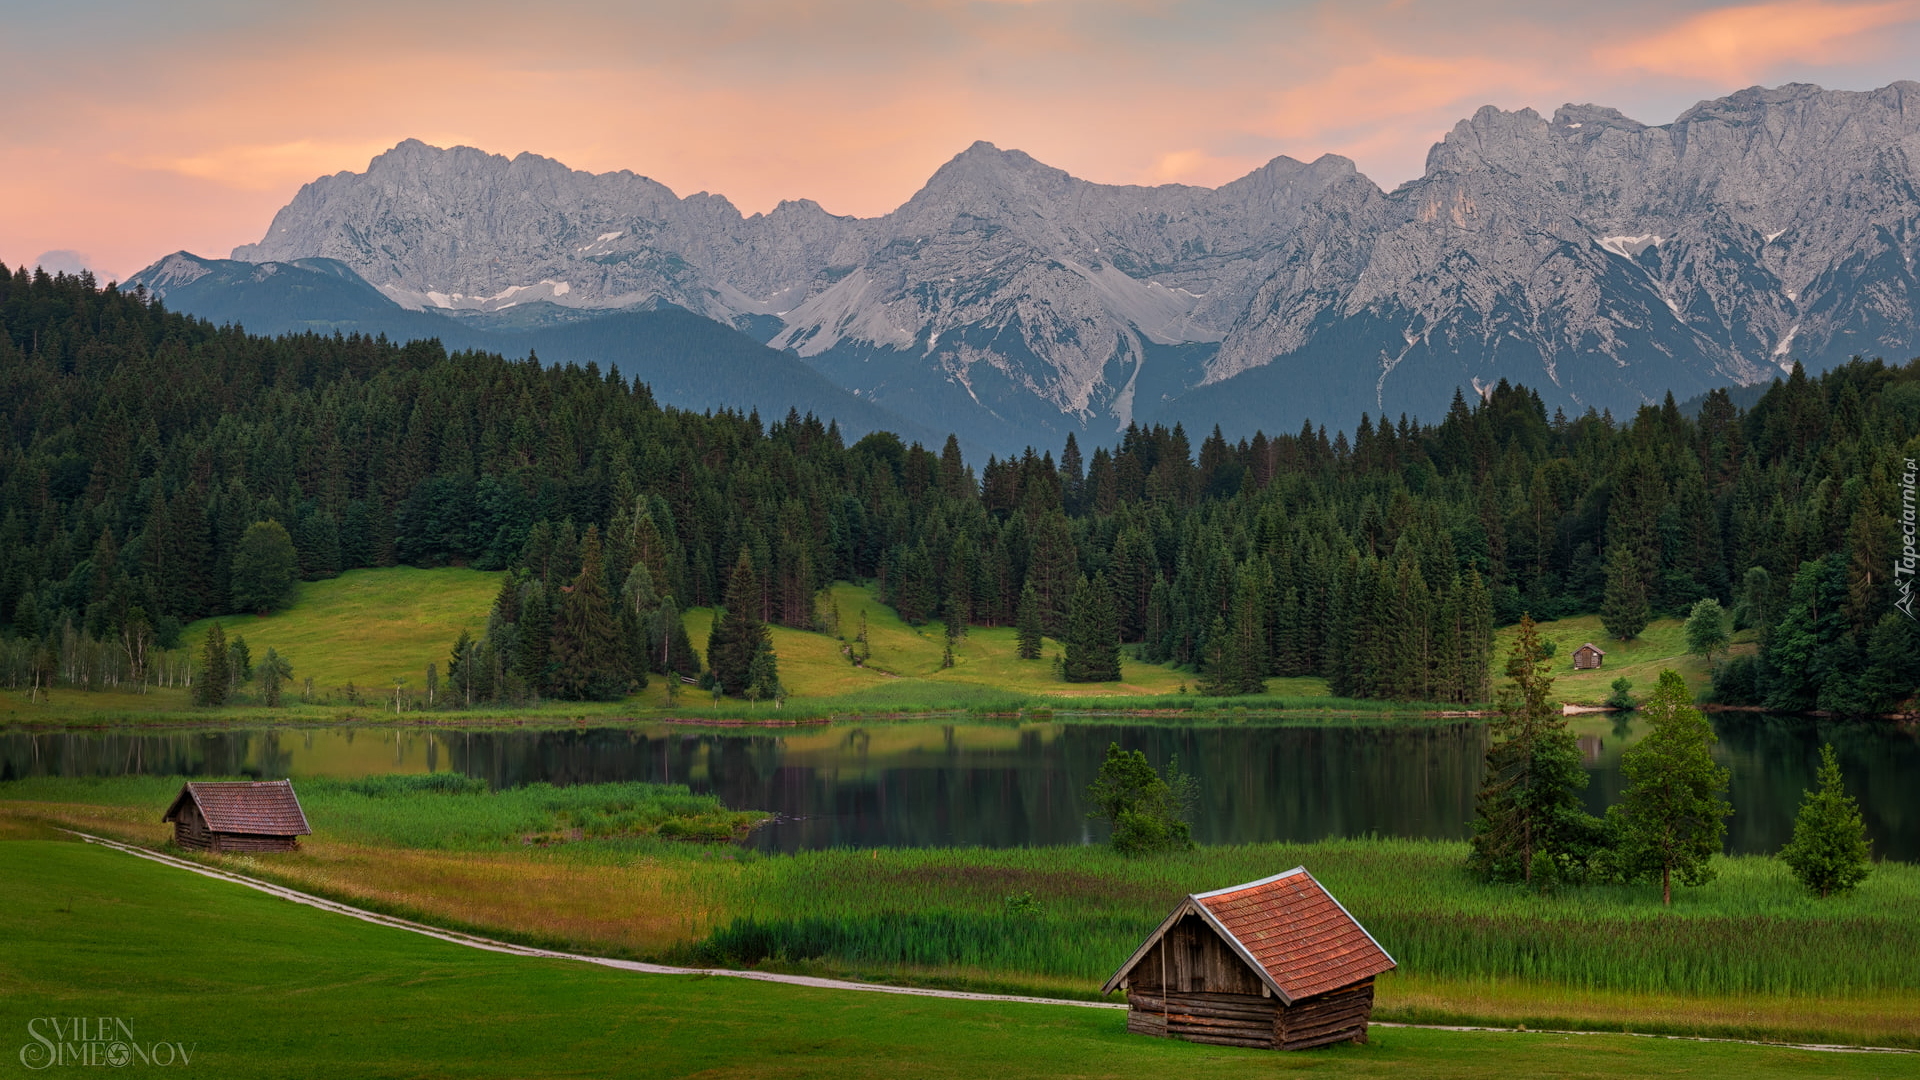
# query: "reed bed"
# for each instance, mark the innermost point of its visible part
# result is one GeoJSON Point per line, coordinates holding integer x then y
{"type": "Point", "coordinates": [1075, 913]}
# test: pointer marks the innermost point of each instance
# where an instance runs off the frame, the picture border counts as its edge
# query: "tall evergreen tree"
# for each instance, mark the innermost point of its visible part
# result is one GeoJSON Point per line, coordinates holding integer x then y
{"type": "Point", "coordinates": [1672, 818]}
{"type": "Point", "coordinates": [1625, 611]}
{"type": "Point", "coordinates": [1828, 852]}
{"type": "Point", "coordinates": [211, 682]}
{"type": "Point", "coordinates": [1027, 630]}
{"type": "Point", "coordinates": [1532, 825]}
{"type": "Point", "coordinates": [589, 657]}
{"type": "Point", "coordinates": [737, 633]}
{"type": "Point", "coordinates": [1093, 634]}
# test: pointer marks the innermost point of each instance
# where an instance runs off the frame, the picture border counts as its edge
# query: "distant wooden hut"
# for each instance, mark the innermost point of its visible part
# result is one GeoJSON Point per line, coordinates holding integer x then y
{"type": "Point", "coordinates": [1276, 964]}
{"type": "Point", "coordinates": [238, 816]}
{"type": "Point", "coordinates": [1587, 656]}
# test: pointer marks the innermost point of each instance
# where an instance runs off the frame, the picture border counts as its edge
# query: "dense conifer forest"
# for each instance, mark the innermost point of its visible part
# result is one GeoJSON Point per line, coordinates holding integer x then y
{"type": "Point", "coordinates": [141, 448]}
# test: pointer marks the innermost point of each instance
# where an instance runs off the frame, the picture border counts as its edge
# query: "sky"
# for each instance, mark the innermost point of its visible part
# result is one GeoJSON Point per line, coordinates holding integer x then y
{"type": "Point", "coordinates": [135, 129]}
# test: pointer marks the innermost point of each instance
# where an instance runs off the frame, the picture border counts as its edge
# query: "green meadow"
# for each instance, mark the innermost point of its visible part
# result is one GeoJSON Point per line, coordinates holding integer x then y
{"type": "Point", "coordinates": [359, 633]}
{"type": "Point", "coordinates": [93, 932]}
{"type": "Point", "coordinates": [605, 868]}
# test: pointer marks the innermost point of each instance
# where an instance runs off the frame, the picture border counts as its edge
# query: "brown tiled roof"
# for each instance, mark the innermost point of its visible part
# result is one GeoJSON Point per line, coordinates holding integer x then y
{"type": "Point", "coordinates": [1595, 648]}
{"type": "Point", "coordinates": [259, 808]}
{"type": "Point", "coordinates": [1298, 932]}
{"type": "Point", "coordinates": [1289, 929]}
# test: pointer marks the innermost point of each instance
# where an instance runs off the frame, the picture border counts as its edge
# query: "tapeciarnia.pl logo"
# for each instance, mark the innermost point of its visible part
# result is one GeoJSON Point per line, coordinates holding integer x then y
{"type": "Point", "coordinates": [96, 1040]}
{"type": "Point", "coordinates": [1905, 564]}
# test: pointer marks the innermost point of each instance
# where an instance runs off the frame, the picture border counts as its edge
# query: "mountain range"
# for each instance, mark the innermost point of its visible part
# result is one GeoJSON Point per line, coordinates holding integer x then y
{"type": "Point", "coordinates": [1603, 261]}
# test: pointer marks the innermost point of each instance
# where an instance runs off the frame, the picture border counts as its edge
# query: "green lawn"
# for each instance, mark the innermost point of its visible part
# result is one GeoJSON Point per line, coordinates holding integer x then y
{"type": "Point", "coordinates": [257, 987]}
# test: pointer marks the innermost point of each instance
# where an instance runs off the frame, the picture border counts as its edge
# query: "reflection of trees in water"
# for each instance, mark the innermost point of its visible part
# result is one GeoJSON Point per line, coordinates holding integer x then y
{"type": "Point", "coordinates": [1775, 758]}
{"type": "Point", "coordinates": [977, 785]}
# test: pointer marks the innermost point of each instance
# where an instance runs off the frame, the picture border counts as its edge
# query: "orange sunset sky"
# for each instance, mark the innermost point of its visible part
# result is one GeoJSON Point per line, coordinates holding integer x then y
{"type": "Point", "coordinates": [135, 129]}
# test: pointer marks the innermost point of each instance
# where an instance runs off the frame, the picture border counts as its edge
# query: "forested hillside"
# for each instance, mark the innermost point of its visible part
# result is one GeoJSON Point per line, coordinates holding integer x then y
{"type": "Point", "coordinates": [140, 447]}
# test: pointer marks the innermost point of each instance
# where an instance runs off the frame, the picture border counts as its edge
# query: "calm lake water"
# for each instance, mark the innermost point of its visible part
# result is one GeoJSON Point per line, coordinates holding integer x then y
{"type": "Point", "coordinates": [1011, 784]}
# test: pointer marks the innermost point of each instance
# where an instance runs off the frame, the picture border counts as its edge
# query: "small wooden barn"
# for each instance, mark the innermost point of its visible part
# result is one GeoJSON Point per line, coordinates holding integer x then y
{"type": "Point", "coordinates": [1276, 964]}
{"type": "Point", "coordinates": [1587, 656]}
{"type": "Point", "coordinates": [238, 816]}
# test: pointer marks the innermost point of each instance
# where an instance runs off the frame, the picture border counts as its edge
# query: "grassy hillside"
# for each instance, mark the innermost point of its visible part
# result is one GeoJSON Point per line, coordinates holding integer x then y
{"type": "Point", "coordinates": [368, 626]}
{"type": "Point", "coordinates": [1662, 645]}
{"type": "Point", "coordinates": [261, 988]}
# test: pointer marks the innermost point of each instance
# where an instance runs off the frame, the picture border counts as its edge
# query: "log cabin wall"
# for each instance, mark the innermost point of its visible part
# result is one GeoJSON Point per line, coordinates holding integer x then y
{"type": "Point", "coordinates": [190, 829]}
{"type": "Point", "coordinates": [1208, 994]}
{"type": "Point", "coordinates": [1337, 1016]}
{"type": "Point", "coordinates": [223, 841]}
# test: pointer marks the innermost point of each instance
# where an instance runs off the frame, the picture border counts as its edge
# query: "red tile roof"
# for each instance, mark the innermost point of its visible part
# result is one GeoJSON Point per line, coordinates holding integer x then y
{"type": "Point", "coordinates": [259, 808]}
{"type": "Point", "coordinates": [1289, 929]}
{"type": "Point", "coordinates": [1294, 929]}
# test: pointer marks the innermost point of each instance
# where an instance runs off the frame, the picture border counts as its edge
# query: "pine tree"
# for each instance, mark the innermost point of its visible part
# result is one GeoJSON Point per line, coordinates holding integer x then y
{"type": "Point", "coordinates": [1672, 818]}
{"type": "Point", "coordinates": [1093, 634]}
{"type": "Point", "coordinates": [1625, 611]}
{"type": "Point", "coordinates": [533, 663]}
{"type": "Point", "coordinates": [589, 657]}
{"type": "Point", "coordinates": [1026, 626]}
{"type": "Point", "coordinates": [211, 686]}
{"type": "Point", "coordinates": [737, 633]}
{"type": "Point", "coordinates": [763, 673]}
{"type": "Point", "coordinates": [1829, 851]}
{"type": "Point", "coordinates": [1532, 825]}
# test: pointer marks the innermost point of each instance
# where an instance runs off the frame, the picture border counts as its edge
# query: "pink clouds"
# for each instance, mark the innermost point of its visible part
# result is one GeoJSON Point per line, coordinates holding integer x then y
{"type": "Point", "coordinates": [1736, 45]}
{"type": "Point", "coordinates": [192, 134]}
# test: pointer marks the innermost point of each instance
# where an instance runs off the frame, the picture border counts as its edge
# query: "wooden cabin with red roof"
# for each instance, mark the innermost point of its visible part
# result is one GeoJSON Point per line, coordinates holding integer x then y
{"type": "Point", "coordinates": [1276, 964]}
{"type": "Point", "coordinates": [237, 816]}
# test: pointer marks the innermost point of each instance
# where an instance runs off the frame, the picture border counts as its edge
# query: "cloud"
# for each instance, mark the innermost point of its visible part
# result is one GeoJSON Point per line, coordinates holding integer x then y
{"type": "Point", "coordinates": [1738, 45]}
{"type": "Point", "coordinates": [262, 167]}
{"type": "Point", "coordinates": [68, 261]}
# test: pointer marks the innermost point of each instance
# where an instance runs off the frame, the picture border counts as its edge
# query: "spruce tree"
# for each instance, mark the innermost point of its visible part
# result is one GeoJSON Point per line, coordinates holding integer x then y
{"type": "Point", "coordinates": [737, 633]}
{"type": "Point", "coordinates": [1532, 825]}
{"type": "Point", "coordinates": [589, 658]}
{"type": "Point", "coordinates": [210, 688]}
{"type": "Point", "coordinates": [535, 628]}
{"type": "Point", "coordinates": [1829, 851]}
{"type": "Point", "coordinates": [1672, 818]}
{"type": "Point", "coordinates": [1093, 634]}
{"type": "Point", "coordinates": [1625, 611]}
{"type": "Point", "coordinates": [1026, 624]}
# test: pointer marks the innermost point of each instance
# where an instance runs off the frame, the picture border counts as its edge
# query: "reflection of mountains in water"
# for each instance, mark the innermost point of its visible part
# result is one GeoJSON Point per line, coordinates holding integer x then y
{"type": "Point", "coordinates": [1006, 785]}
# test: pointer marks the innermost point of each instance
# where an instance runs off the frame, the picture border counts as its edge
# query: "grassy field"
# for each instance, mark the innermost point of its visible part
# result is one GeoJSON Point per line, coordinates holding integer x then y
{"type": "Point", "coordinates": [256, 987]}
{"type": "Point", "coordinates": [1662, 645]}
{"type": "Point", "coordinates": [1750, 955]}
{"type": "Point", "coordinates": [368, 627]}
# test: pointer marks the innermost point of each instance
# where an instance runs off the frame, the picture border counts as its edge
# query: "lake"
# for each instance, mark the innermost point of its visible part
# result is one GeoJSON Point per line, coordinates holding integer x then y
{"type": "Point", "coordinates": [973, 782]}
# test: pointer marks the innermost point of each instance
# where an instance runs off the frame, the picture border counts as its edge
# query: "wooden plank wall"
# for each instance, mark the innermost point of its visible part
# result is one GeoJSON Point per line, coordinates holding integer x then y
{"type": "Point", "coordinates": [1209, 995]}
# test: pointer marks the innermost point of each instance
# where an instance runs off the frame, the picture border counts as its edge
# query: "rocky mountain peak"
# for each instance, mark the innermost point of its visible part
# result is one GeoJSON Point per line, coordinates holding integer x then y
{"type": "Point", "coordinates": [1596, 257]}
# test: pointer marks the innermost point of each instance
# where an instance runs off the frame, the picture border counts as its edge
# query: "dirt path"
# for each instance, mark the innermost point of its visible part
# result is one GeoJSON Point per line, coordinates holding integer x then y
{"type": "Point", "coordinates": [474, 941]}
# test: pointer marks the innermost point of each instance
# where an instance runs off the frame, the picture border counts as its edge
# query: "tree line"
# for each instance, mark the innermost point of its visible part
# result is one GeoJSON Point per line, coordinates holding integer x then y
{"type": "Point", "coordinates": [142, 448]}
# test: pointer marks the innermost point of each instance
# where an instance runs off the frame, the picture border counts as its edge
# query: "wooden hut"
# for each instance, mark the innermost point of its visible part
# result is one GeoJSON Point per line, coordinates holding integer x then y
{"type": "Point", "coordinates": [238, 816]}
{"type": "Point", "coordinates": [1276, 964]}
{"type": "Point", "coordinates": [1587, 656]}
